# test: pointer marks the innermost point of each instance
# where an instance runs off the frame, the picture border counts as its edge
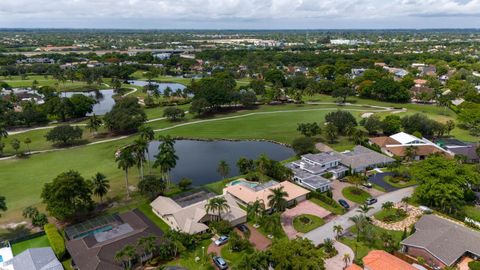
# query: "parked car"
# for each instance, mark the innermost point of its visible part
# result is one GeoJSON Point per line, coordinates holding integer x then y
{"type": "Point", "coordinates": [367, 184]}
{"type": "Point", "coordinates": [371, 201]}
{"type": "Point", "coordinates": [220, 262]}
{"type": "Point", "coordinates": [344, 204]}
{"type": "Point", "coordinates": [243, 228]}
{"type": "Point", "coordinates": [221, 240]}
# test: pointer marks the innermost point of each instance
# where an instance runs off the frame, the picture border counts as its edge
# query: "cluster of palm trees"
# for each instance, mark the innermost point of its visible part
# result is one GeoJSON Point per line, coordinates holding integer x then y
{"type": "Point", "coordinates": [128, 254]}
{"type": "Point", "coordinates": [135, 154]}
{"type": "Point", "coordinates": [216, 206]}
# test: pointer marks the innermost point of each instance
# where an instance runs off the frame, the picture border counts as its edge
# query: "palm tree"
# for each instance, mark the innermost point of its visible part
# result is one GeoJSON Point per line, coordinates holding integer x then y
{"type": "Point", "coordinates": [277, 200]}
{"type": "Point", "coordinates": [387, 205]}
{"type": "Point", "coordinates": [217, 204]}
{"type": "Point", "coordinates": [130, 254]}
{"type": "Point", "coordinates": [410, 152]}
{"type": "Point", "coordinates": [262, 163]}
{"type": "Point", "coordinates": [147, 134]}
{"type": "Point", "coordinates": [223, 168]}
{"type": "Point", "coordinates": [364, 208]}
{"type": "Point", "coordinates": [125, 160]}
{"type": "Point", "coordinates": [338, 230]}
{"type": "Point", "coordinates": [119, 257]}
{"type": "Point", "coordinates": [346, 259]}
{"type": "Point", "coordinates": [27, 141]}
{"type": "Point", "coordinates": [360, 222]}
{"type": "Point", "coordinates": [256, 210]}
{"type": "Point", "coordinates": [270, 223]}
{"type": "Point", "coordinates": [328, 245]}
{"type": "Point", "coordinates": [100, 185]}
{"type": "Point", "coordinates": [166, 159]}
{"type": "Point", "coordinates": [355, 179]}
{"type": "Point", "coordinates": [94, 123]}
{"type": "Point", "coordinates": [3, 204]}
{"type": "Point", "coordinates": [139, 148]}
{"type": "Point", "coordinates": [148, 245]}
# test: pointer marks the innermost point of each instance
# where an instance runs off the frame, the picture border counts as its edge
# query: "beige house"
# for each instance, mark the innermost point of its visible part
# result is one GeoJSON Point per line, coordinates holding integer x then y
{"type": "Point", "coordinates": [246, 192]}
{"type": "Point", "coordinates": [192, 218]}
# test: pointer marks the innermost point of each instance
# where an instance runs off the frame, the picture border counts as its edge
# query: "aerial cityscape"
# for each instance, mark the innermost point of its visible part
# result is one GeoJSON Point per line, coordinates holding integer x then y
{"type": "Point", "coordinates": [185, 135]}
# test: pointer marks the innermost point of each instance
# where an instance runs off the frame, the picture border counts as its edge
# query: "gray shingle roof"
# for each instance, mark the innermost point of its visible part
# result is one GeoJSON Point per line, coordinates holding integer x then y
{"type": "Point", "coordinates": [444, 239]}
{"type": "Point", "coordinates": [37, 259]}
{"type": "Point", "coordinates": [321, 158]}
{"type": "Point", "coordinates": [361, 157]}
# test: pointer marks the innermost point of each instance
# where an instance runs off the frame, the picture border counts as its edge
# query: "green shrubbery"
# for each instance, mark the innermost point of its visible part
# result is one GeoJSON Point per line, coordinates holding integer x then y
{"type": "Point", "coordinates": [474, 265]}
{"type": "Point", "coordinates": [56, 240]}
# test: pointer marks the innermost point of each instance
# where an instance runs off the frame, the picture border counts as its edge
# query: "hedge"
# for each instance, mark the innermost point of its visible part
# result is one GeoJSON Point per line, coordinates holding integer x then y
{"type": "Point", "coordinates": [56, 240]}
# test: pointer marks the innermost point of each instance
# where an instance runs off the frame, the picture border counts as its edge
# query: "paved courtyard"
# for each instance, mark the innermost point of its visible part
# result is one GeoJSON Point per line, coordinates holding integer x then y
{"type": "Point", "coordinates": [305, 207]}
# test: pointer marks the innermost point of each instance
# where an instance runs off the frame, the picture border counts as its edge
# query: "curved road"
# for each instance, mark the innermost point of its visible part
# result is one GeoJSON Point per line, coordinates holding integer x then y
{"type": "Point", "coordinates": [326, 231]}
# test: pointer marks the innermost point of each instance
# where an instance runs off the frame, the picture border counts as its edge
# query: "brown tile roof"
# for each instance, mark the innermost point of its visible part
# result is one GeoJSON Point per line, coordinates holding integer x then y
{"type": "Point", "coordinates": [382, 260]}
{"type": "Point", "coordinates": [421, 150]}
{"type": "Point", "coordinates": [383, 140]}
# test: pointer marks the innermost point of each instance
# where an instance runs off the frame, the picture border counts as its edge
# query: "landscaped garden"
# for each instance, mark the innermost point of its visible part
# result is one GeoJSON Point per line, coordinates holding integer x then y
{"type": "Point", "coordinates": [391, 215]}
{"type": "Point", "coordinates": [355, 194]}
{"type": "Point", "coordinates": [306, 222]}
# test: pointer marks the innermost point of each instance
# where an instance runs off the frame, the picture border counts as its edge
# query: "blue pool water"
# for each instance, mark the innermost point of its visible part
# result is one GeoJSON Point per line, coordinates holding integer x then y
{"type": "Point", "coordinates": [1, 259]}
{"type": "Point", "coordinates": [102, 229]}
{"type": "Point", "coordinates": [242, 182]}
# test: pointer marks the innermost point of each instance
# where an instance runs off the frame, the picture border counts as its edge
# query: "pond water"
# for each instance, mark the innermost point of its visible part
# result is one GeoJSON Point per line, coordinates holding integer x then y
{"type": "Point", "coordinates": [198, 160]}
{"type": "Point", "coordinates": [104, 99]}
{"type": "Point", "coordinates": [161, 86]}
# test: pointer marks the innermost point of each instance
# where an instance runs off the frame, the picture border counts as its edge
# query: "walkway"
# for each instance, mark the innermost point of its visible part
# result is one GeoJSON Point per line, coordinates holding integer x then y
{"type": "Point", "coordinates": [305, 207]}
{"type": "Point", "coordinates": [336, 262]}
{"type": "Point", "coordinates": [258, 240]}
{"type": "Point", "coordinates": [326, 231]}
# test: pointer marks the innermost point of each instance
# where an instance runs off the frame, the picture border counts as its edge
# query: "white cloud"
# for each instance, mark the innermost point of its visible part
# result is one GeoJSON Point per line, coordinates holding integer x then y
{"type": "Point", "coordinates": [224, 12]}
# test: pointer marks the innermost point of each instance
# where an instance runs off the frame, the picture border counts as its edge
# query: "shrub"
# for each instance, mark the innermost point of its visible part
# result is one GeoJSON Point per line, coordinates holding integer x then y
{"type": "Point", "coordinates": [56, 240]}
{"type": "Point", "coordinates": [474, 265]}
{"type": "Point", "coordinates": [303, 145]}
{"type": "Point", "coordinates": [221, 227]}
{"type": "Point", "coordinates": [328, 175]}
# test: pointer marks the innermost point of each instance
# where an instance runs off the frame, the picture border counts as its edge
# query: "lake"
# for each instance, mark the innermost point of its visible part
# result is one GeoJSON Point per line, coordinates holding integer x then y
{"type": "Point", "coordinates": [104, 99]}
{"type": "Point", "coordinates": [198, 160]}
{"type": "Point", "coordinates": [161, 86]}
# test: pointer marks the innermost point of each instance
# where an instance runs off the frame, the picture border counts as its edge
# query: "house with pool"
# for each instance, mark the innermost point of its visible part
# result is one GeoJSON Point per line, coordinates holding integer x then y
{"type": "Point", "coordinates": [186, 212]}
{"type": "Point", "coordinates": [246, 192]}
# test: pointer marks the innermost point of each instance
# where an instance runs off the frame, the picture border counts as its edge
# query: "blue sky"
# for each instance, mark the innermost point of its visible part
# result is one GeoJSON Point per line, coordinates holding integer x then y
{"type": "Point", "coordinates": [240, 14]}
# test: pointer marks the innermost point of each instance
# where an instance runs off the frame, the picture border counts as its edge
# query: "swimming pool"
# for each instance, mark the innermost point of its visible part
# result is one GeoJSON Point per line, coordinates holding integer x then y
{"type": "Point", "coordinates": [244, 183]}
{"type": "Point", "coordinates": [92, 232]}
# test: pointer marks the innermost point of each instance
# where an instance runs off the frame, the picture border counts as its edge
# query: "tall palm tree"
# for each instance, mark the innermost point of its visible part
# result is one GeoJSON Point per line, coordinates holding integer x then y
{"type": "Point", "coordinates": [364, 209]}
{"type": "Point", "coordinates": [223, 168]}
{"type": "Point", "coordinates": [139, 149]}
{"type": "Point", "coordinates": [256, 210]}
{"type": "Point", "coordinates": [130, 254]}
{"type": "Point", "coordinates": [100, 185]}
{"type": "Point", "coordinates": [338, 230]}
{"type": "Point", "coordinates": [277, 200]}
{"type": "Point", "coordinates": [166, 159]}
{"type": "Point", "coordinates": [125, 160]}
{"type": "Point", "coordinates": [360, 222]}
{"type": "Point", "coordinates": [147, 134]}
{"type": "Point", "coordinates": [148, 245]}
{"type": "Point", "coordinates": [217, 204]}
{"type": "Point", "coordinates": [346, 259]}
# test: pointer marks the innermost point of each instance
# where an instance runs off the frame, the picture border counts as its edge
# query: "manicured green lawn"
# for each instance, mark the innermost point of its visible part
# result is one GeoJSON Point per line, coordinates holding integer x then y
{"type": "Point", "coordinates": [146, 209]}
{"type": "Point", "coordinates": [391, 215]}
{"type": "Point", "coordinates": [472, 212]}
{"type": "Point", "coordinates": [362, 248]}
{"type": "Point", "coordinates": [232, 258]}
{"type": "Point", "coordinates": [337, 209]}
{"type": "Point", "coordinates": [400, 184]}
{"type": "Point", "coordinates": [16, 81]}
{"type": "Point", "coordinates": [41, 241]}
{"type": "Point", "coordinates": [305, 223]}
{"type": "Point", "coordinates": [355, 194]}
{"type": "Point", "coordinates": [187, 259]}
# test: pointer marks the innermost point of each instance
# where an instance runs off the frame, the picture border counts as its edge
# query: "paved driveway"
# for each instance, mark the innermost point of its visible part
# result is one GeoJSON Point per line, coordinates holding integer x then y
{"type": "Point", "coordinates": [338, 186]}
{"type": "Point", "coordinates": [305, 207]}
{"type": "Point", "coordinates": [378, 179]}
{"type": "Point", "coordinates": [336, 262]}
{"type": "Point", "coordinates": [326, 231]}
{"type": "Point", "coordinates": [258, 240]}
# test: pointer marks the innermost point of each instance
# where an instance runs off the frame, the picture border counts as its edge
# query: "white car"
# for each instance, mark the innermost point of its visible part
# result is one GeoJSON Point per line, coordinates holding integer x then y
{"type": "Point", "coordinates": [221, 240]}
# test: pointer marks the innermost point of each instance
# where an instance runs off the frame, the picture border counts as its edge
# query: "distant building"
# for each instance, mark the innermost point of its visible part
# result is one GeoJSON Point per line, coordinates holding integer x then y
{"type": "Point", "coordinates": [459, 148]}
{"type": "Point", "coordinates": [397, 144]}
{"type": "Point", "coordinates": [344, 42]}
{"type": "Point", "coordinates": [36, 60]}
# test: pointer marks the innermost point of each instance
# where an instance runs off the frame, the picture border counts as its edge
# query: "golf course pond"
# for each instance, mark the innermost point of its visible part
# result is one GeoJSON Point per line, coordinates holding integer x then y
{"type": "Point", "coordinates": [198, 160]}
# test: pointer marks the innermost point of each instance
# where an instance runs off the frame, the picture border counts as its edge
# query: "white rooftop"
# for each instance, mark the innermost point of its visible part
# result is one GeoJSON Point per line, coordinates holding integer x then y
{"type": "Point", "coordinates": [405, 138]}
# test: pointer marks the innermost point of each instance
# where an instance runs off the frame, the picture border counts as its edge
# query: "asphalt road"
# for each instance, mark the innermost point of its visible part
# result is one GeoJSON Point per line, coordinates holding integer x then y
{"type": "Point", "coordinates": [326, 231]}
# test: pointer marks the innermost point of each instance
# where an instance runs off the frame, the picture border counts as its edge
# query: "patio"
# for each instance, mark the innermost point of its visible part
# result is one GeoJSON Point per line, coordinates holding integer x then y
{"type": "Point", "coordinates": [305, 207]}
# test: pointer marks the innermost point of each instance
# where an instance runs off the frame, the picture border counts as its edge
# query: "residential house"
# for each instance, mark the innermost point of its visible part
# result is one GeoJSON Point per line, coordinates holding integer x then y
{"type": "Point", "coordinates": [94, 243]}
{"type": "Point", "coordinates": [459, 148]}
{"type": "Point", "coordinates": [357, 72]}
{"type": "Point", "coordinates": [401, 143]}
{"type": "Point", "coordinates": [309, 171]}
{"type": "Point", "coordinates": [188, 214]}
{"type": "Point", "coordinates": [36, 259]}
{"type": "Point", "coordinates": [382, 260]}
{"type": "Point", "coordinates": [245, 192]}
{"type": "Point", "coordinates": [442, 242]}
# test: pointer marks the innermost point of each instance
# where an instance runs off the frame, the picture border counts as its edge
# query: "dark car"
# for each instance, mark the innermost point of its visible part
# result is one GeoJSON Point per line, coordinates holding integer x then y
{"type": "Point", "coordinates": [220, 262]}
{"type": "Point", "coordinates": [344, 204]}
{"type": "Point", "coordinates": [371, 201]}
{"type": "Point", "coordinates": [243, 228]}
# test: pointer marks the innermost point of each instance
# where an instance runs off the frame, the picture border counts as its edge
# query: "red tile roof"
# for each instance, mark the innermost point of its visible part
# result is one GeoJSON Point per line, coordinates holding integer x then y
{"type": "Point", "coordinates": [381, 260]}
